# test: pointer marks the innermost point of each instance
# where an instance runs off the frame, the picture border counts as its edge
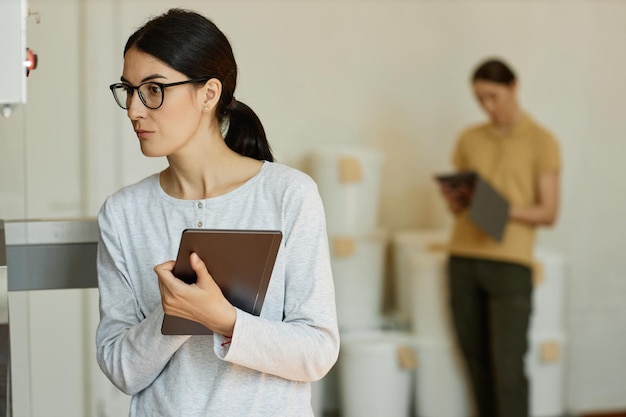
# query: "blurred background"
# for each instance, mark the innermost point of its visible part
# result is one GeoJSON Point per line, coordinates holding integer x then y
{"type": "Point", "coordinates": [391, 75]}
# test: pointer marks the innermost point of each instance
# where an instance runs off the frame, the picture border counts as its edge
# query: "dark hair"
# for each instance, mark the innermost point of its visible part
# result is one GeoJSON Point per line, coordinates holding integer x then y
{"type": "Point", "coordinates": [193, 45]}
{"type": "Point", "coordinates": [494, 70]}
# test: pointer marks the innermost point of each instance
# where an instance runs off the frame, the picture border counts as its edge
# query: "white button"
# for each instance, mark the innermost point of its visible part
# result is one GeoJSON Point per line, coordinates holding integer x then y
{"type": "Point", "coordinates": [199, 224]}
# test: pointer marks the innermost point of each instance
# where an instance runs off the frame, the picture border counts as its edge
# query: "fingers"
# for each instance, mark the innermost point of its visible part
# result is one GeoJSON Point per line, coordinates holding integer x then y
{"type": "Point", "coordinates": [164, 267]}
{"type": "Point", "coordinates": [205, 280]}
{"type": "Point", "coordinates": [171, 288]}
{"type": "Point", "coordinates": [203, 301]}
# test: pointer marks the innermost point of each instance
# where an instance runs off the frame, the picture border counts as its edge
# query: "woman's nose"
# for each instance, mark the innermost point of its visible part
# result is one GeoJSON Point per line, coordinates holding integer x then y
{"type": "Point", "coordinates": [136, 108]}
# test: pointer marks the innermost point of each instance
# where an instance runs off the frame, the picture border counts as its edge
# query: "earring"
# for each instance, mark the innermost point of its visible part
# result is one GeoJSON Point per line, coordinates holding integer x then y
{"type": "Point", "coordinates": [205, 108]}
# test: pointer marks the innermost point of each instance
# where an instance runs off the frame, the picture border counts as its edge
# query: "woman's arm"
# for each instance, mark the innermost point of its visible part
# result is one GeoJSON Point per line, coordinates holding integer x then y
{"type": "Point", "coordinates": [545, 212]}
{"type": "Point", "coordinates": [305, 344]}
{"type": "Point", "coordinates": [130, 348]}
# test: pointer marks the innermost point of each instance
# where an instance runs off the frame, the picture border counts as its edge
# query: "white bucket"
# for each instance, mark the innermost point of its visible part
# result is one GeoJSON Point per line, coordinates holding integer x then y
{"type": "Point", "coordinates": [348, 178]}
{"type": "Point", "coordinates": [548, 292]}
{"type": "Point", "coordinates": [375, 379]}
{"type": "Point", "coordinates": [441, 389]}
{"type": "Point", "coordinates": [405, 245]}
{"type": "Point", "coordinates": [430, 310]}
{"type": "Point", "coordinates": [545, 363]}
{"type": "Point", "coordinates": [358, 271]}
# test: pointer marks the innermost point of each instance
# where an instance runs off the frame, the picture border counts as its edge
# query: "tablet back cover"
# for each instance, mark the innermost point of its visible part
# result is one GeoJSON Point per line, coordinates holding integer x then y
{"type": "Point", "coordinates": [240, 261]}
{"type": "Point", "coordinates": [489, 210]}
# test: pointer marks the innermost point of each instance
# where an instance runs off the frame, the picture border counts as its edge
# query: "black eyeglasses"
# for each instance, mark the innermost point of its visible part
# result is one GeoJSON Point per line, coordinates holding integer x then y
{"type": "Point", "coordinates": [150, 93]}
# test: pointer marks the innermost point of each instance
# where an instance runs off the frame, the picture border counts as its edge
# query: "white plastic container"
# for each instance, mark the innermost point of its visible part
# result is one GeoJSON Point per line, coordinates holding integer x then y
{"type": "Point", "coordinates": [358, 271]}
{"type": "Point", "coordinates": [430, 309]}
{"type": "Point", "coordinates": [348, 178]}
{"type": "Point", "coordinates": [548, 292]}
{"type": "Point", "coordinates": [405, 245]}
{"type": "Point", "coordinates": [375, 379]}
{"type": "Point", "coordinates": [441, 389]}
{"type": "Point", "coordinates": [545, 369]}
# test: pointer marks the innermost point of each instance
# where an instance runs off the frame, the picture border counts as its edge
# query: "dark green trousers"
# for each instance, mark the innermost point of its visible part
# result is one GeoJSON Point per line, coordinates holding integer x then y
{"type": "Point", "coordinates": [491, 305]}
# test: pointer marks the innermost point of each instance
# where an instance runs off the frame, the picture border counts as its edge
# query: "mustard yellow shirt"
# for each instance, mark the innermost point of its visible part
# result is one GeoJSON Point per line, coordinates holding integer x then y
{"type": "Point", "coordinates": [512, 164]}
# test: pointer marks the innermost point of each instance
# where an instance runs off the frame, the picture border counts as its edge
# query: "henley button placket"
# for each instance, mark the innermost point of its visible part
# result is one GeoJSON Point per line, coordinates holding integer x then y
{"type": "Point", "coordinates": [199, 213]}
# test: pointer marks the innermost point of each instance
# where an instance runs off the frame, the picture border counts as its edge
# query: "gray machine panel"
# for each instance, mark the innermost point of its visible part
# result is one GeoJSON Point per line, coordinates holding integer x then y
{"type": "Point", "coordinates": [51, 254]}
{"type": "Point", "coordinates": [51, 267]}
{"type": "Point", "coordinates": [41, 255]}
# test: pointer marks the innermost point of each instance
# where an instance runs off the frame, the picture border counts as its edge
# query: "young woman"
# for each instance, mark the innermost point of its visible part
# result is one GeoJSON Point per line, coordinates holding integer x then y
{"type": "Point", "coordinates": [490, 281]}
{"type": "Point", "coordinates": [177, 85]}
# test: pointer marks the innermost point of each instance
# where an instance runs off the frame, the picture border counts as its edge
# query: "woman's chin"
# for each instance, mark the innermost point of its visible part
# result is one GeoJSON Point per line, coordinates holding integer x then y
{"type": "Point", "coordinates": [151, 153]}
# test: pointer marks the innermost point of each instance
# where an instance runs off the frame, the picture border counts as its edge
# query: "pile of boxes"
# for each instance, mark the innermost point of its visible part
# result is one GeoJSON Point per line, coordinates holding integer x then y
{"type": "Point", "coordinates": [348, 178]}
{"type": "Point", "coordinates": [373, 376]}
{"type": "Point", "coordinates": [419, 259]}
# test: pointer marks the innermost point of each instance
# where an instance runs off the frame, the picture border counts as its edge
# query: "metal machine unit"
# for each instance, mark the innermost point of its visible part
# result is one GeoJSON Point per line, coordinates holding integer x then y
{"type": "Point", "coordinates": [17, 60]}
{"type": "Point", "coordinates": [41, 255]}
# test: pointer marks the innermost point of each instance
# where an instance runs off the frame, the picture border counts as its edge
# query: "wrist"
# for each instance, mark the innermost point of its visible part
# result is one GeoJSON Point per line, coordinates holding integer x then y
{"type": "Point", "coordinates": [227, 327]}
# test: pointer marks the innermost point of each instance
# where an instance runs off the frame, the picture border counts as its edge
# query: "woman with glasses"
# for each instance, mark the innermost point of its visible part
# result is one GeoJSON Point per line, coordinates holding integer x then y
{"type": "Point", "coordinates": [490, 280]}
{"type": "Point", "coordinates": [177, 86]}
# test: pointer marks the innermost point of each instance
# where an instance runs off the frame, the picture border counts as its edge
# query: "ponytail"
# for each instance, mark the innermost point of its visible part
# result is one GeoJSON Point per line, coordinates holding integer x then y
{"type": "Point", "coordinates": [246, 135]}
{"type": "Point", "coordinates": [192, 45]}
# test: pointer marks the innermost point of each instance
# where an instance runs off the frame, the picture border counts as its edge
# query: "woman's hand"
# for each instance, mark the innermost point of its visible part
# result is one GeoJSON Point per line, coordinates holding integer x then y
{"type": "Point", "coordinates": [202, 301]}
{"type": "Point", "coordinates": [457, 197]}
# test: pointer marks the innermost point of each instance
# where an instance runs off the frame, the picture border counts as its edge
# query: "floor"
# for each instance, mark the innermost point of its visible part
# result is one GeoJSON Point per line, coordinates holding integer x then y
{"type": "Point", "coordinates": [616, 414]}
{"type": "Point", "coordinates": [619, 414]}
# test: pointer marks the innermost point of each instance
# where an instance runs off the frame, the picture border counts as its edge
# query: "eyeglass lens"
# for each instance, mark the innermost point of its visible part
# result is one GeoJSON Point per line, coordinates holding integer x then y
{"type": "Point", "coordinates": [150, 94]}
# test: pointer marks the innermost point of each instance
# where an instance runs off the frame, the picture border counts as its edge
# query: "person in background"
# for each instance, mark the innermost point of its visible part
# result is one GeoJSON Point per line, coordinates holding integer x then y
{"type": "Point", "coordinates": [490, 281]}
{"type": "Point", "coordinates": [177, 86]}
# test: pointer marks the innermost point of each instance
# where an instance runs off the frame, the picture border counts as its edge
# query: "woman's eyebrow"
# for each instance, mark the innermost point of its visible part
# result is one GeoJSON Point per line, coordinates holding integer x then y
{"type": "Point", "coordinates": [148, 78]}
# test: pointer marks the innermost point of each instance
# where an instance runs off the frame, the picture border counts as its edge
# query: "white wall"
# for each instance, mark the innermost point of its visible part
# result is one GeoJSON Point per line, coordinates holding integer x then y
{"type": "Point", "coordinates": [387, 73]}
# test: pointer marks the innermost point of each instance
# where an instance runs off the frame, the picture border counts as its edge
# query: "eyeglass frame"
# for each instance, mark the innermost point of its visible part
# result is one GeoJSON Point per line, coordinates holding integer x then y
{"type": "Point", "coordinates": [162, 86]}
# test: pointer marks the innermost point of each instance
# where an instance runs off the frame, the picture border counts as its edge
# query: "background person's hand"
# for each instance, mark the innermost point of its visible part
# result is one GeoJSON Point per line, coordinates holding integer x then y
{"type": "Point", "coordinates": [458, 197]}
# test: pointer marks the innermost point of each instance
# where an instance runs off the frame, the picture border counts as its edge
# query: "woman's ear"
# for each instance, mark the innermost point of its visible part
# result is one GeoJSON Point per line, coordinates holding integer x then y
{"type": "Point", "coordinates": [211, 93]}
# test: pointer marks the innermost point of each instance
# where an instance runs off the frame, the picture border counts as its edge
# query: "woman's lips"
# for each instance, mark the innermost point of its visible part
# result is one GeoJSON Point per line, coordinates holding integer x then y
{"type": "Point", "coordinates": [143, 134]}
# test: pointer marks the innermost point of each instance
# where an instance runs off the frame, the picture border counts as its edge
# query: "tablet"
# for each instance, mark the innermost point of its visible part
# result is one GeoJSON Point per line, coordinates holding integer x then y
{"type": "Point", "coordinates": [488, 209]}
{"type": "Point", "coordinates": [240, 261]}
{"type": "Point", "coordinates": [454, 180]}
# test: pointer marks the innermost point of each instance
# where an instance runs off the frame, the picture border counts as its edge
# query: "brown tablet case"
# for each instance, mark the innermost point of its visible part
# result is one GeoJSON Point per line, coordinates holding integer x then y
{"type": "Point", "coordinates": [241, 263]}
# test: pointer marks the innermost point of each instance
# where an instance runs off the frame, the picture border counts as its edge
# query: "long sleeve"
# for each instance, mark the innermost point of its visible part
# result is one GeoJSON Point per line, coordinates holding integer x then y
{"type": "Point", "coordinates": [130, 348]}
{"type": "Point", "coordinates": [305, 345]}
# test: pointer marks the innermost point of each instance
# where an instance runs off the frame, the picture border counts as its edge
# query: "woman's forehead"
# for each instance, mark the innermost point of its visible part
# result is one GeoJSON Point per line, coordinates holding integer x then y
{"type": "Point", "coordinates": [139, 66]}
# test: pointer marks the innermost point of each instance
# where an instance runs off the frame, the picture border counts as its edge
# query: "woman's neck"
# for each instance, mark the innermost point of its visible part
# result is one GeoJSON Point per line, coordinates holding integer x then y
{"type": "Point", "coordinates": [505, 127]}
{"type": "Point", "coordinates": [198, 177]}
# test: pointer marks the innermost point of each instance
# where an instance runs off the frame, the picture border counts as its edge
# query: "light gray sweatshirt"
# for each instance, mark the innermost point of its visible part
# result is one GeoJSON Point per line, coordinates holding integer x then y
{"type": "Point", "coordinates": [267, 368]}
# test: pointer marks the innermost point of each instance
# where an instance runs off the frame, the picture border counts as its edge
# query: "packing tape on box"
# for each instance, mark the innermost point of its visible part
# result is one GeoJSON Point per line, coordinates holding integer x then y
{"type": "Point", "coordinates": [350, 170]}
{"type": "Point", "coordinates": [550, 351]}
{"type": "Point", "coordinates": [343, 247]}
{"type": "Point", "coordinates": [407, 359]}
